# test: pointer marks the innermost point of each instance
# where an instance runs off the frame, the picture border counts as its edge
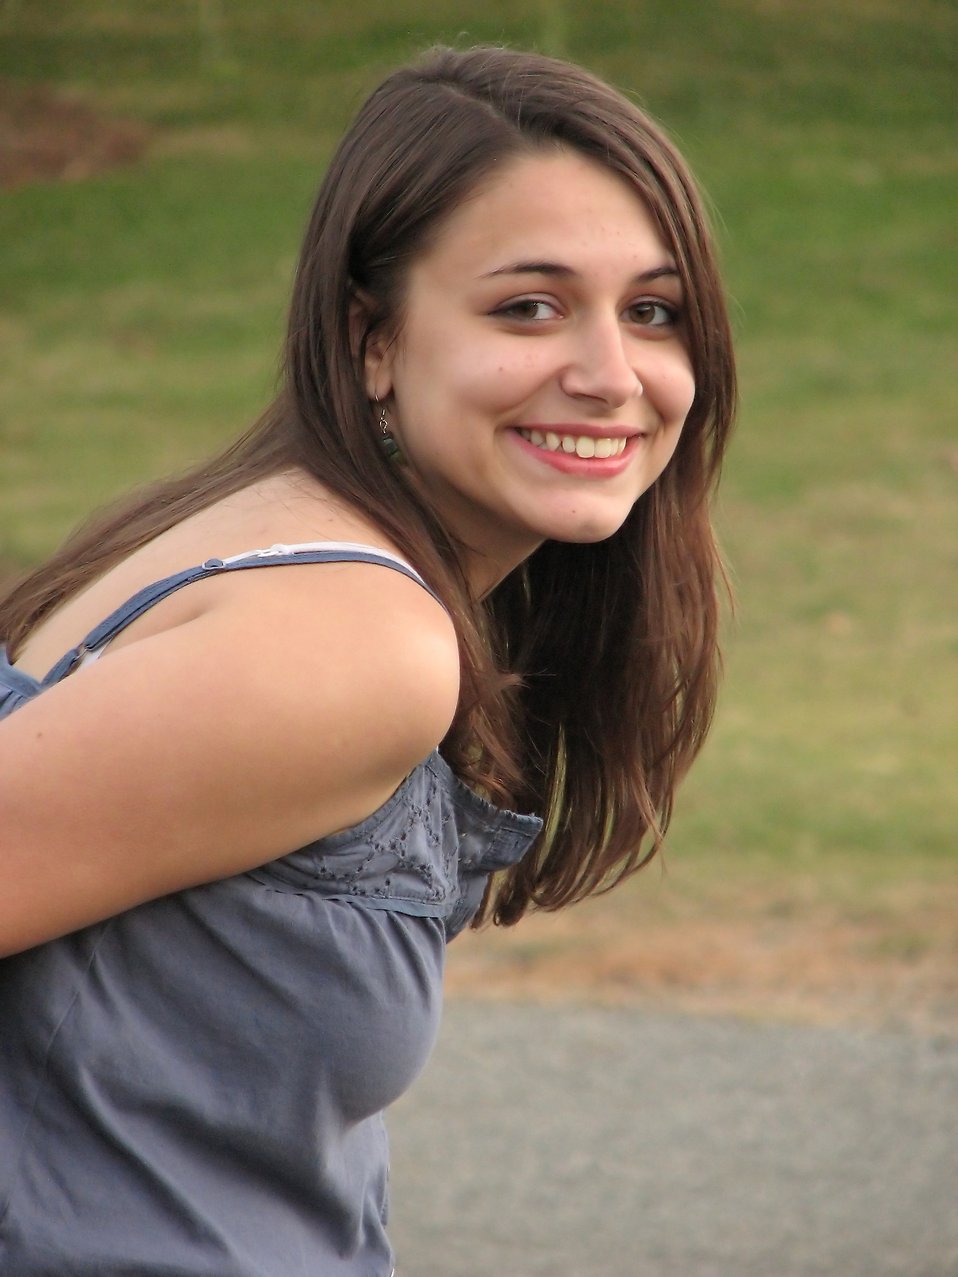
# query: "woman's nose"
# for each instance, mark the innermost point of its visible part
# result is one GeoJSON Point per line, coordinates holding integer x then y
{"type": "Point", "coordinates": [600, 366]}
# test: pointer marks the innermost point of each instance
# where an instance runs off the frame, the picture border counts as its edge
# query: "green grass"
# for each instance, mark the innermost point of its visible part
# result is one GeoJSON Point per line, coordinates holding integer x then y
{"type": "Point", "coordinates": [141, 314]}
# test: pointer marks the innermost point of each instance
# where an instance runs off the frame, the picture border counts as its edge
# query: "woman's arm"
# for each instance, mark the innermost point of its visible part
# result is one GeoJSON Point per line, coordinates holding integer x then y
{"type": "Point", "coordinates": [293, 707]}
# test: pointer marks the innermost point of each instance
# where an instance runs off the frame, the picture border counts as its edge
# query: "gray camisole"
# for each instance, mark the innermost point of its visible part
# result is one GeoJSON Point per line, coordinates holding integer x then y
{"type": "Point", "coordinates": [195, 1086]}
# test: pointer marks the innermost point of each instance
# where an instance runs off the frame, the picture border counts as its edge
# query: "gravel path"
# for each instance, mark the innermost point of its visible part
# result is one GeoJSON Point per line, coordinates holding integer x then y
{"type": "Point", "coordinates": [581, 1142]}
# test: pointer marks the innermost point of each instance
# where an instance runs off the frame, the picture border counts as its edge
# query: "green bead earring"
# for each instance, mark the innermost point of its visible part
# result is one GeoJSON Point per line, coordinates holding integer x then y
{"type": "Point", "coordinates": [389, 445]}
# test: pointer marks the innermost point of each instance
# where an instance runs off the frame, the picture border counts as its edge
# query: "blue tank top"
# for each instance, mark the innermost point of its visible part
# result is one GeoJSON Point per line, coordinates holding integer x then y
{"type": "Point", "coordinates": [196, 1086]}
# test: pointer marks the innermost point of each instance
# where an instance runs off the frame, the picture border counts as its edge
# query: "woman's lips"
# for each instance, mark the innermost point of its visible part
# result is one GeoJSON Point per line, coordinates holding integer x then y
{"type": "Point", "coordinates": [574, 449]}
{"type": "Point", "coordinates": [584, 446]}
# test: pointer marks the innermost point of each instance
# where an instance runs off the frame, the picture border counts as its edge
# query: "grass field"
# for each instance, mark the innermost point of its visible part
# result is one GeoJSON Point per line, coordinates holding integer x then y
{"type": "Point", "coordinates": [141, 313]}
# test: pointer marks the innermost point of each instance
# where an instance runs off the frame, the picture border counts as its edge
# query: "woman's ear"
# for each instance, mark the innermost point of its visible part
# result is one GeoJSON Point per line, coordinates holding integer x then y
{"type": "Point", "coordinates": [371, 343]}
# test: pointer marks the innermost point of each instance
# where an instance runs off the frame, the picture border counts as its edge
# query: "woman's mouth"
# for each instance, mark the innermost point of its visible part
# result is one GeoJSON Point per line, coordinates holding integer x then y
{"type": "Point", "coordinates": [584, 446]}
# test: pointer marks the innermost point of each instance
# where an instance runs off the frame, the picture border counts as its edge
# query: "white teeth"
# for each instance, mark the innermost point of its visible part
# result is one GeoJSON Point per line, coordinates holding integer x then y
{"type": "Point", "coordinates": [584, 446]}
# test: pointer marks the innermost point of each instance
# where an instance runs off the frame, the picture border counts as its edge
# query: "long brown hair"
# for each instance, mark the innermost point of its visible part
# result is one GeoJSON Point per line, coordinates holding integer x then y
{"type": "Point", "coordinates": [589, 675]}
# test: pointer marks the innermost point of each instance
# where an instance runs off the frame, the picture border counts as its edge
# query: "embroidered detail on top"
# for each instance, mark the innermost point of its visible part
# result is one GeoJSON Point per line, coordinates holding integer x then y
{"type": "Point", "coordinates": [428, 850]}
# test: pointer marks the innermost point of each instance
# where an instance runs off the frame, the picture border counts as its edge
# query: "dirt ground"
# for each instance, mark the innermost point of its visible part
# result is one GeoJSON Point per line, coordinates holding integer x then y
{"type": "Point", "coordinates": [48, 137]}
{"type": "Point", "coordinates": [767, 948]}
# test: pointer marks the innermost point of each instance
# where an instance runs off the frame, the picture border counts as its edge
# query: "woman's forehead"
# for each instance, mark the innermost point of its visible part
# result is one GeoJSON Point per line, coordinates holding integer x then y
{"type": "Point", "coordinates": [556, 207]}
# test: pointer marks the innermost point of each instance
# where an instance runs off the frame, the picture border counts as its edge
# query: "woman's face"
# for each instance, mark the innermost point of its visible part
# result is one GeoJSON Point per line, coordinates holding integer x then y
{"type": "Point", "coordinates": [539, 379]}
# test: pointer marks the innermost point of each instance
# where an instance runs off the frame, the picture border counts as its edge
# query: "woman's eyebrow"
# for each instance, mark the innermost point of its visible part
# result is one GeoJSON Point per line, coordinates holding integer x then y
{"type": "Point", "coordinates": [557, 270]}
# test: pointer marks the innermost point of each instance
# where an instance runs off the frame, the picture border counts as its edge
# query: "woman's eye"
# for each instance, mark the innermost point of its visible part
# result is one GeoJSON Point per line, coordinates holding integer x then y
{"type": "Point", "coordinates": [651, 314]}
{"type": "Point", "coordinates": [528, 308]}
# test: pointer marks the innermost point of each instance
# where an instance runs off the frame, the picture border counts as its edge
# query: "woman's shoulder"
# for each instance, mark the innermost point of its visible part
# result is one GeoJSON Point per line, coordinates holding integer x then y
{"type": "Point", "coordinates": [288, 508]}
{"type": "Point", "coordinates": [339, 638]}
{"type": "Point", "coordinates": [373, 631]}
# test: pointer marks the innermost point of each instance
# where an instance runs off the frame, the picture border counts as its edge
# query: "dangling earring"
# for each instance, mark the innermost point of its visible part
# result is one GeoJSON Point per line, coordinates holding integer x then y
{"type": "Point", "coordinates": [389, 445]}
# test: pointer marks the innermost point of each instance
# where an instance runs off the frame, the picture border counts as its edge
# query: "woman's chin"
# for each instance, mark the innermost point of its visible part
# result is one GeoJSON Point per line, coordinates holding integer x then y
{"type": "Point", "coordinates": [587, 531]}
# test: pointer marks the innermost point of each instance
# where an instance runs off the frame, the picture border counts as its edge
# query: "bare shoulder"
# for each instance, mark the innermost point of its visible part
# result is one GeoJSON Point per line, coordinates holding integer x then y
{"type": "Point", "coordinates": [289, 708]}
{"type": "Point", "coordinates": [358, 639]}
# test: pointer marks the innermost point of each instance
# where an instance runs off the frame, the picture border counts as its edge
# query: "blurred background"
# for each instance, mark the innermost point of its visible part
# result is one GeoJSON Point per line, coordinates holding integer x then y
{"type": "Point", "coordinates": [157, 162]}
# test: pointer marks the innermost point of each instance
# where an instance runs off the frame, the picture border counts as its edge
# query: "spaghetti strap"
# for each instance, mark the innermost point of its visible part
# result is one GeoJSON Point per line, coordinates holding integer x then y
{"type": "Point", "coordinates": [275, 556]}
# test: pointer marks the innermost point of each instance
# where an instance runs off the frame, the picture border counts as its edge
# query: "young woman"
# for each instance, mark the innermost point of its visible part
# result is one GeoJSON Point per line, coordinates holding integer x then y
{"type": "Point", "coordinates": [458, 581]}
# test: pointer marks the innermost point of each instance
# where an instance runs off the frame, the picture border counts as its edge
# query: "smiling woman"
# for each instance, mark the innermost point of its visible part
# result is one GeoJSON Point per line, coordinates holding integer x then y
{"type": "Point", "coordinates": [244, 810]}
